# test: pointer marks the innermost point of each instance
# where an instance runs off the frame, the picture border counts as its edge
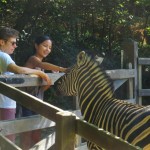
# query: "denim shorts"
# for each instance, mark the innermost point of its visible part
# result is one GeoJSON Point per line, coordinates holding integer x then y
{"type": "Point", "coordinates": [27, 112]}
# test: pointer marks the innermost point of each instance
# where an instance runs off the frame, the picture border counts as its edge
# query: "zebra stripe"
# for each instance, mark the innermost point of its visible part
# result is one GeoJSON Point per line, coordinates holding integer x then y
{"type": "Point", "coordinates": [98, 106]}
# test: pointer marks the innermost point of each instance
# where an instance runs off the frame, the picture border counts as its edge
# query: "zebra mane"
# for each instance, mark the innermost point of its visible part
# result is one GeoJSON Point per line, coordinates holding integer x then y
{"type": "Point", "coordinates": [83, 59]}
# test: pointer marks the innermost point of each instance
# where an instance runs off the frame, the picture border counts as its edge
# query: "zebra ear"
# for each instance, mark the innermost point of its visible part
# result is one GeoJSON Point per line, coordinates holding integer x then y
{"type": "Point", "coordinates": [80, 58]}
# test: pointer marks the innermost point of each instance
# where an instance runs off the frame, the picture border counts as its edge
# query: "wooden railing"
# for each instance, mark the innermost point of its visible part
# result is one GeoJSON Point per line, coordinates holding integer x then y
{"type": "Point", "coordinates": [67, 124]}
{"type": "Point", "coordinates": [140, 91]}
{"type": "Point", "coordinates": [74, 124]}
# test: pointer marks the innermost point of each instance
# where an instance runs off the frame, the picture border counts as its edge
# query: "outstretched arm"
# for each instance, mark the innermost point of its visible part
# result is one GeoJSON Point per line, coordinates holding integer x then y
{"type": "Point", "coordinates": [34, 62]}
{"type": "Point", "coordinates": [24, 70]}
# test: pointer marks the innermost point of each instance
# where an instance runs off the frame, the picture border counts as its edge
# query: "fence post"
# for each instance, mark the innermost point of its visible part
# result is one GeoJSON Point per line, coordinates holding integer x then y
{"type": "Point", "coordinates": [130, 86]}
{"type": "Point", "coordinates": [136, 83]}
{"type": "Point", "coordinates": [65, 131]}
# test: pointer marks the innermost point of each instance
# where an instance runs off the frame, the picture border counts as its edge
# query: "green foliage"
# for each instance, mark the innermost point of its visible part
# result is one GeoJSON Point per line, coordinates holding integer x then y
{"type": "Point", "coordinates": [92, 25]}
{"type": "Point", "coordinates": [144, 51]}
{"type": "Point", "coordinates": [96, 26]}
{"type": "Point", "coordinates": [147, 30]}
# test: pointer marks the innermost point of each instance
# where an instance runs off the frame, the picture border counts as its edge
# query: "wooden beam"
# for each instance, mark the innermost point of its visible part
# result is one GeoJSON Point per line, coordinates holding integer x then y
{"type": "Point", "coordinates": [45, 109]}
{"type": "Point", "coordinates": [118, 83]}
{"type": "Point", "coordinates": [144, 92]}
{"type": "Point", "coordinates": [144, 61]}
{"type": "Point", "coordinates": [20, 80]}
{"type": "Point", "coordinates": [25, 124]}
{"type": "Point", "coordinates": [131, 100]}
{"type": "Point", "coordinates": [83, 147]}
{"type": "Point", "coordinates": [6, 144]}
{"type": "Point", "coordinates": [8, 127]}
{"type": "Point", "coordinates": [120, 73]}
{"type": "Point", "coordinates": [101, 137]}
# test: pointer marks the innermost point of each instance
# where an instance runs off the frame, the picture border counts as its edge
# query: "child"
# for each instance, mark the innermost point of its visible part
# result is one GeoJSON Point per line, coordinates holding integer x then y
{"type": "Point", "coordinates": [42, 48]}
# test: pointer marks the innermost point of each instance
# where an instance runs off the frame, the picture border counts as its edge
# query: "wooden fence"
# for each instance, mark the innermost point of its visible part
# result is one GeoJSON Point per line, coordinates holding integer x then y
{"type": "Point", "coordinates": [68, 125]}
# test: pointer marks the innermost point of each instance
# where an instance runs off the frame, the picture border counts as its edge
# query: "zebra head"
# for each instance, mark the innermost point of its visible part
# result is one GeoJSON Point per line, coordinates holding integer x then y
{"type": "Point", "coordinates": [67, 84]}
{"type": "Point", "coordinates": [86, 74]}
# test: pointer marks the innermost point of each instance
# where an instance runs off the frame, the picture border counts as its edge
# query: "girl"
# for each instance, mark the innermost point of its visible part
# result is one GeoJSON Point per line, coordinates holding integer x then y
{"type": "Point", "coordinates": [42, 47]}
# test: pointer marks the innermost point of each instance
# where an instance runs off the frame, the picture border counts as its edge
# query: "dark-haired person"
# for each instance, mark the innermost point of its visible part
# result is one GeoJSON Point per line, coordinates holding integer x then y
{"type": "Point", "coordinates": [8, 37]}
{"type": "Point", "coordinates": [42, 48]}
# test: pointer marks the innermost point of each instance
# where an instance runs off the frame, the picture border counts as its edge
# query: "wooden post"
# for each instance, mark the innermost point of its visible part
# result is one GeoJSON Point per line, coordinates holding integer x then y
{"type": "Point", "coordinates": [75, 103]}
{"type": "Point", "coordinates": [139, 83]}
{"type": "Point", "coordinates": [130, 84]}
{"type": "Point", "coordinates": [122, 59]}
{"type": "Point", "coordinates": [136, 86]}
{"type": "Point", "coordinates": [65, 131]}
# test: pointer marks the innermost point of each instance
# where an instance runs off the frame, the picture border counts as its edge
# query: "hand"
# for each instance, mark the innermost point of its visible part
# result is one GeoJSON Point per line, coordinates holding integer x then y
{"type": "Point", "coordinates": [66, 70]}
{"type": "Point", "coordinates": [49, 82]}
{"type": "Point", "coordinates": [46, 78]}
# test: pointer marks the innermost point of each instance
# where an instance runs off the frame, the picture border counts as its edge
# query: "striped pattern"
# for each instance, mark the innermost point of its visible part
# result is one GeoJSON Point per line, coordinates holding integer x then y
{"type": "Point", "coordinates": [98, 106]}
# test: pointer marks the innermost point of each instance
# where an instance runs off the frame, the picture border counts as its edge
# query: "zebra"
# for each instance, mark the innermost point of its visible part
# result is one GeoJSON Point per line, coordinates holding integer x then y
{"type": "Point", "coordinates": [95, 92]}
